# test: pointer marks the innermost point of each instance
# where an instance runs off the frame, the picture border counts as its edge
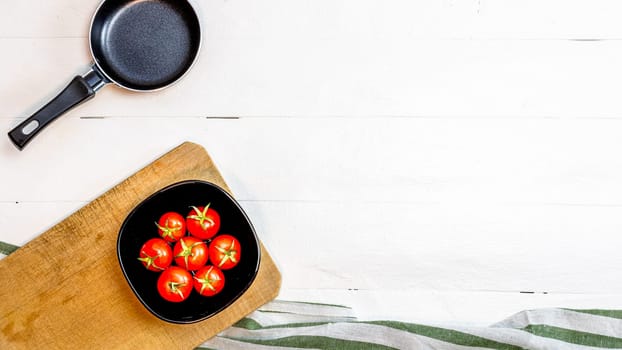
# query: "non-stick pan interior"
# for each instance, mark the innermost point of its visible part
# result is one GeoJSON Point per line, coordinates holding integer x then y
{"type": "Point", "coordinates": [145, 44]}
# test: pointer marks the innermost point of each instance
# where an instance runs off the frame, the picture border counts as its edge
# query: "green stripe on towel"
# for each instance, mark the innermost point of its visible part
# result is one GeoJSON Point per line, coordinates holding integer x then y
{"type": "Point", "coordinates": [247, 323]}
{"type": "Point", "coordinates": [447, 335]}
{"type": "Point", "coordinates": [317, 342]}
{"type": "Point", "coordinates": [574, 337]}
{"type": "Point", "coordinates": [6, 248]}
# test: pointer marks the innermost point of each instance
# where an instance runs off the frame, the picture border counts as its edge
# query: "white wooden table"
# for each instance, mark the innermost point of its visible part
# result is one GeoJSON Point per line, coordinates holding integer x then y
{"type": "Point", "coordinates": [426, 161]}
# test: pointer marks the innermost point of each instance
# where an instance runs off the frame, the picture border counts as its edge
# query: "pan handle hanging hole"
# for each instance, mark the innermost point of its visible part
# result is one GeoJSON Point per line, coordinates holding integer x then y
{"type": "Point", "coordinates": [30, 127]}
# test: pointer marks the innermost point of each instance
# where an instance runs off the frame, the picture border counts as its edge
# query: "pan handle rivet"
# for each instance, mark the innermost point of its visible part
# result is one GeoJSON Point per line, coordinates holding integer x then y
{"type": "Point", "coordinates": [30, 127]}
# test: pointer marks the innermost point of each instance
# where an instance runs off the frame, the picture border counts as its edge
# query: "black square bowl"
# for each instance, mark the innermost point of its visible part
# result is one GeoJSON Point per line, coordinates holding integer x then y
{"type": "Point", "coordinates": [140, 226]}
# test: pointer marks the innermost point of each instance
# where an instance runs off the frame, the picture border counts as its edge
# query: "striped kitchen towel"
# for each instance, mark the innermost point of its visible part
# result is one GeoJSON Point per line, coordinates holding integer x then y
{"type": "Point", "coordinates": [296, 325]}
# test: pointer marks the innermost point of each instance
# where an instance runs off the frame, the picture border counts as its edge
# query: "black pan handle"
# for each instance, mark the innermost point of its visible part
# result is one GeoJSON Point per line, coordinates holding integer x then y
{"type": "Point", "coordinates": [81, 89]}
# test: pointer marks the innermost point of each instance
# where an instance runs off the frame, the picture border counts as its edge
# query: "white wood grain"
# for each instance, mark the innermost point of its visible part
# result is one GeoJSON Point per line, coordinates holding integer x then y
{"type": "Point", "coordinates": [448, 307]}
{"type": "Point", "coordinates": [330, 76]}
{"type": "Point", "coordinates": [463, 151]}
{"type": "Point", "coordinates": [430, 161]}
{"type": "Point", "coordinates": [329, 18]}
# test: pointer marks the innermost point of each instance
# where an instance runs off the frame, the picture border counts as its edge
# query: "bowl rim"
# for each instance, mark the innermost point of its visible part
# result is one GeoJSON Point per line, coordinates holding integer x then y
{"type": "Point", "coordinates": [252, 231]}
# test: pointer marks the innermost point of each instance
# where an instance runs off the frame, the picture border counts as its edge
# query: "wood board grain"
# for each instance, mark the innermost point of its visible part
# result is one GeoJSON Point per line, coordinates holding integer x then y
{"type": "Point", "coordinates": [65, 289]}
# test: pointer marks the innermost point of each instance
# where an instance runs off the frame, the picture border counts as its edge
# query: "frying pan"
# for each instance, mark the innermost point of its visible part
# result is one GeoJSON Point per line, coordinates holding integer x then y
{"type": "Point", "coordinates": [139, 45]}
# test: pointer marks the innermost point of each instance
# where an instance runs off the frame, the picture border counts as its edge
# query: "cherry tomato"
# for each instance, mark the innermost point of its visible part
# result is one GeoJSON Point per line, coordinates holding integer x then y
{"type": "Point", "coordinates": [225, 252]}
{"type": "Point", "coordinates": [175, 284]}
{"type": "Point", "coordinates": [209, 281]}
{"type": "Point", "coordinates": [171, 226]}
{"type": "Point", "coordinates": [203, 222]}
{"type": "Point", "coordinates": [156, 254]}
{"type": "Point", "coordinates": [190, 253]}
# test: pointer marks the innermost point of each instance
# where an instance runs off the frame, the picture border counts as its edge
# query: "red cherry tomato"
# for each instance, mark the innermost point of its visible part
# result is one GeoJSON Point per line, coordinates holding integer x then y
{"type": "Point", "coordinates": [225, 252]}
{"type": "Point", "coordinates": [171, 226]}
{"type": "Point", "coordinates": [209, 281]}
{"type": "Point", "coordinates": [203, 222]}
{"type": "Point", "coordinates": [190, 253]}
{"type": "Point", "coordinates": [175, 284]}
{"type": "Point", "coordinates": [156, 254]}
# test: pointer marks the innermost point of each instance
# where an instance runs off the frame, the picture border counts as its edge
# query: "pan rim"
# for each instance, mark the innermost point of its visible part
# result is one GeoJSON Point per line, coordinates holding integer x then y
{"type": "Point", "coordinates": [101, 70]}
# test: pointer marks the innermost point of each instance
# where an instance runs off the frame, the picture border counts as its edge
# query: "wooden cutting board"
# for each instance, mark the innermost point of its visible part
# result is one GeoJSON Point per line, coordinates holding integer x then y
{"type": "Point", "coordinates": [65, 288]}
